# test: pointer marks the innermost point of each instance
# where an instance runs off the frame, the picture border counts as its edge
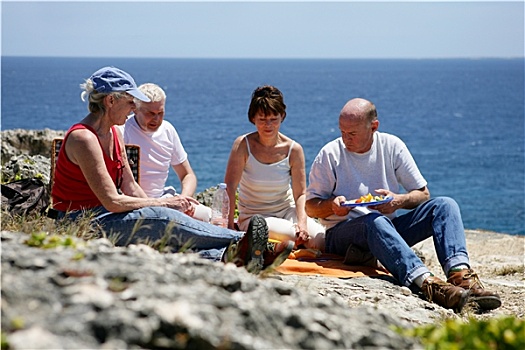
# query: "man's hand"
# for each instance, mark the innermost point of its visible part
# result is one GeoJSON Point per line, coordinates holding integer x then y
{"type": "Point", "coordinates": [408, 200]}
{"type": "Point", "coordinates": [337, 208]}
{"type": "Point", "coordinates": [389, 207]}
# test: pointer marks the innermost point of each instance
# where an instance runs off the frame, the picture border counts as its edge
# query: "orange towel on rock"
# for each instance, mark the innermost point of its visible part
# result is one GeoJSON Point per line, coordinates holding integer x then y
{"type": "Point", "coordinates": [326, 265]}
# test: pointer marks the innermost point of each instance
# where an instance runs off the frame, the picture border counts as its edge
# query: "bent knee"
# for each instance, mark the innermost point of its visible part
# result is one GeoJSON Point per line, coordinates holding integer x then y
{"type": "Point", "coordinates": [446, 203]}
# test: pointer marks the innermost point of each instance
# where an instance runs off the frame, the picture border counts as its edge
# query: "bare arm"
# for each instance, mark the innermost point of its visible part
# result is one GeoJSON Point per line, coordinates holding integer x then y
{"type": "Point", "coordinates": [83, 149]}
{"type": "Point", "coordinates": [234, 169]}
{"type": "Point", "coordinates": [322, 208]}
{"type": "Point", "coordinates": [187, 177]}
{"type": "Point", "coordinates": [297, 165]}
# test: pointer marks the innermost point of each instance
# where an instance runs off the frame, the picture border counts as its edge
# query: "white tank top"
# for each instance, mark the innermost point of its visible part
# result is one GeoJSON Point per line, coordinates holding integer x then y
{"type": "Point", "coordinates": [265, 188]}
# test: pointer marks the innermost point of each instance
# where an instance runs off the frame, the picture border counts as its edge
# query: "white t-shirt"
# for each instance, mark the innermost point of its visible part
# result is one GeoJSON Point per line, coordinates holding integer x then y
{"type": "Point", "coordinates": [338, 172]}
{"type": "Point", "coordinates": [158, 151]}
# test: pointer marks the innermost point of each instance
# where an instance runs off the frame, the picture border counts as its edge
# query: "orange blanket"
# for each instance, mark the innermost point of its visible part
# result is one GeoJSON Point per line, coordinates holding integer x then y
{"type": "Point", "coordinates": [326, 265]}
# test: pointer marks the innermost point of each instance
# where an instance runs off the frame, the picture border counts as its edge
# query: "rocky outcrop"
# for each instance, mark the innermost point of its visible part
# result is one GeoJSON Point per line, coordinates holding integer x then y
{"type": "Point", "coordinates": [30, 142]}
{"type": "Point", "coordinates": [97, 296]}
{"type": "Point", "coordinates": [25, 166]}
{"type": "Point", "coordinates": [92, 295]}
{"type": "Point", "coordinates": [27, 153]}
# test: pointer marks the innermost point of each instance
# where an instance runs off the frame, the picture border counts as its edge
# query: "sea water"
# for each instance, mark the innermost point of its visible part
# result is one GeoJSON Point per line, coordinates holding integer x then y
{"type": "Point", "coordinates": [462, 119]}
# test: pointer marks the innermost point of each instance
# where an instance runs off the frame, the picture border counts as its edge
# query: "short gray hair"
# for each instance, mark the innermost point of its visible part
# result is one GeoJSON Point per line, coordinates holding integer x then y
{"type": "Point", "coordinates": [153, 91]}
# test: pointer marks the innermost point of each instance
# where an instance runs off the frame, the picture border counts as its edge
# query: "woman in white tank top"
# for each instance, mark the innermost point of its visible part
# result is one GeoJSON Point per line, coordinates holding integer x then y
{"type": "Point", "coordinates": [269, 169]}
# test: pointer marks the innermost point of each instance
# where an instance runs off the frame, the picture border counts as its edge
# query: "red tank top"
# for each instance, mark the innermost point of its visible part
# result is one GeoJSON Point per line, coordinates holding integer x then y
{"type": "Point", "coordinates": [70, 189]}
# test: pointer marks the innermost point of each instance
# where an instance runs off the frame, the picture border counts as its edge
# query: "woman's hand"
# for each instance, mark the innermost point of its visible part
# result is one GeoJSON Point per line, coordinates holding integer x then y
{"type": "Point", "coordinates": [183, 204]}
{"type": "Point", "coordinates": [301, 236]}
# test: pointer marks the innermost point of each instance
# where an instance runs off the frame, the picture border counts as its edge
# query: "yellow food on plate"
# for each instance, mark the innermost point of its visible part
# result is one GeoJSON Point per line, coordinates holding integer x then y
{"type": "Point", "coordinates": [369, 198]}
{"type": "Point", "coordinates": [305, 253]}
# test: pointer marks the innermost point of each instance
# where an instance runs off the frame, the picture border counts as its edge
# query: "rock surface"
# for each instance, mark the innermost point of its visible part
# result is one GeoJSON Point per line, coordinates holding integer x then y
{"type": "Point", "coordinates": [95, 296]}
{"type": "Point", "coordinates": [30, 142]}
{"type": "Point", "coordinates": [99, 296]}
{"type": "Point", "coordinates": [27, 153]}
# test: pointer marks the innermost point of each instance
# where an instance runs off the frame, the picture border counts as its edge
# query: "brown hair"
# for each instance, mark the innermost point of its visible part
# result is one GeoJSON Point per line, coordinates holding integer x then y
{"type": "Point", "coordinates": [267, 99]}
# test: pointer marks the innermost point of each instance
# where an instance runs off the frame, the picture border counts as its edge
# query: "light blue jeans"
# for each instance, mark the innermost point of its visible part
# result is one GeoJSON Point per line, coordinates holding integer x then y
{"type": "Point", "coordinates": [156, 223]}
{"type": "Point", "coordinates": [390, 240]}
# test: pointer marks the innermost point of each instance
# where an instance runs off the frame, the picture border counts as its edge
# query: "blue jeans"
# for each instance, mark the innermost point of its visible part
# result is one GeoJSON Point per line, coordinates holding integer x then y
{"type": "Point", "coordinates": [390, 240]}
{"type": "Point", "coordinates": [151, 224]}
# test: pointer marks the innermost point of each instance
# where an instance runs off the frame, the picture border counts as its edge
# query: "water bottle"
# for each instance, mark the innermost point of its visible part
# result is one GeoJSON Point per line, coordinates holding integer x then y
{"type": "Point", "coordinates": [220, 207]}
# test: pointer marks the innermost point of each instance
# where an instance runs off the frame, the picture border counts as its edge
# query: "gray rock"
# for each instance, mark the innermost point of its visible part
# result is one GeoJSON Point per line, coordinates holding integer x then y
{"type": "Point", "coordinates": [30, 142]}
{"type": "Point", "coordinates": [136, 297]}
{"type": "Point", "coordinates": [26, 166]}
{"type": "Point", "coordinates": [27, 153]}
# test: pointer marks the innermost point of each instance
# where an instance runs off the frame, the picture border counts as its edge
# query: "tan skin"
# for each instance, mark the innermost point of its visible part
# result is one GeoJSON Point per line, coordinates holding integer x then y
{"type": "Point", "coordinates": [357, 133]}
{"type": "Point", "coordinates": [269, 146]}
{"type": "Point", "coordinates": [82, 148]}
{"type": "Point", "coordinates": [149, 116]}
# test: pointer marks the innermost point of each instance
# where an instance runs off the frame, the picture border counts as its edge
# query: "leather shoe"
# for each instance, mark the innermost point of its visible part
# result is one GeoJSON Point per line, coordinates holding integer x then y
{"type": "Point", "coordinates": [444, 294]}
{"type": "Point", "coordinates": [469, 280]}
{"type": "Point", "coordinates": [276, 254]}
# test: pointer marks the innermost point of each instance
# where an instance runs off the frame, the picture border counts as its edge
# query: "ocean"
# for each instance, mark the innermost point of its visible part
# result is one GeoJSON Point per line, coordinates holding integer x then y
{"type": "Point", "coordinates": [462, 119]}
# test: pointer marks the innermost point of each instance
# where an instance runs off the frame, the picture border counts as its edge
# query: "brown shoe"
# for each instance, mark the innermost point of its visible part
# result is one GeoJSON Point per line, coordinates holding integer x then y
{"type": "Point", "coordinates": [444, 294]}
{"type": "Point", "coordinates": [277, 253]}
{"type": "Point", "coordinates": [469, 280]}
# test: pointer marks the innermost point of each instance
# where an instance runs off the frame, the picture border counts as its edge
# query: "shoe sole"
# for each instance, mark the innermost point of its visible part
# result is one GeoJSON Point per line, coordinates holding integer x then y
{"type": "Point", "coordinates": [486, 302]}
{"type": "Point", "coordinates": [257, 239]}
{"type": "Point", "coordinates": [462, 302]}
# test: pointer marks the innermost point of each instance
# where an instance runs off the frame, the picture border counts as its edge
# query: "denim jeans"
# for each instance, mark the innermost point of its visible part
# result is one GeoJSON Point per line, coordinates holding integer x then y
{"type": "Point", "coordinates": [155, 223]}
{"type": "Point", "coordinates": [390, 240]}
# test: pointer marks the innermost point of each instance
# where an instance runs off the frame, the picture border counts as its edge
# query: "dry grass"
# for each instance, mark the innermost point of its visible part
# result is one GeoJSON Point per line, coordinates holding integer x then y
{"type": "Point", "coordinates": [36, 223]}
{"type": "Point", "coordinates": [509, 270]}
{"type": "Point", "coordinates": [43, 231]}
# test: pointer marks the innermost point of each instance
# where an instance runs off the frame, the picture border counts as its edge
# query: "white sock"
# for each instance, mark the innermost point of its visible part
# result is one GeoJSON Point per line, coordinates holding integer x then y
{"type": "Point", "coordinates": [419, 280]}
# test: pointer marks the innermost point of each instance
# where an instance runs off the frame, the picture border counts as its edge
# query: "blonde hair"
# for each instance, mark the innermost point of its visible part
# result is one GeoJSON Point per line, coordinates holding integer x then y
{"type": "Point", "coordinates": [95, 98]}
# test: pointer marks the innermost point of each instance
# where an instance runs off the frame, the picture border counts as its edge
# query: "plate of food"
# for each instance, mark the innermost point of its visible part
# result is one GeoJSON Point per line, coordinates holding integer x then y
{"type": "Point", "coordinates": [365, 201]}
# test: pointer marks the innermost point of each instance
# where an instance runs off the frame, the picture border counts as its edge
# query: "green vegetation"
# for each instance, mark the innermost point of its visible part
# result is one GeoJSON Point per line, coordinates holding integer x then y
{"type": "Point", "coordinates": [505, 333]}
{"type": "Point", "coordinates": [4, 344]}
{"type": "Point", "coordinates": [43, 240]}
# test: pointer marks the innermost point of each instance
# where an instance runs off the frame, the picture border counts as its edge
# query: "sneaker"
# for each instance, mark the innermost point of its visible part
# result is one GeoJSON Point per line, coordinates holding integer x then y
{"type": "Point", "coordinates": [277, 253]}
{"type": "Point", "coordinates": [469, 280]}
{"type": "Point", "coordinates": [444, 294]}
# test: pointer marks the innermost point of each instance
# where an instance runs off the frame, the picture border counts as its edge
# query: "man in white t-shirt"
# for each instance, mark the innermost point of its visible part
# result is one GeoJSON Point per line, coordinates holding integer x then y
{"type": "Point", "coordinates": [365, 161]}
{"type": "Point", "coordinates": [160, 149]}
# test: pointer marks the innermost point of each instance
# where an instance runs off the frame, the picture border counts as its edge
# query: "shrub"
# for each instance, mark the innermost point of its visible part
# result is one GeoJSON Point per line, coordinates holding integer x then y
{"type": "Point", "coordinates": [504, 333]}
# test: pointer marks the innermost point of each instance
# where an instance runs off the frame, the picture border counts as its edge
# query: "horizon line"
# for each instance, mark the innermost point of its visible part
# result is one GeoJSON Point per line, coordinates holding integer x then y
{"type": "Point", "coordinates": [269, 58]}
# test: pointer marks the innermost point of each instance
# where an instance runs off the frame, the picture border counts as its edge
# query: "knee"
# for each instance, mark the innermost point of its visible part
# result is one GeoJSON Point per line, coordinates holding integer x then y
{"type": "Point", "coordinates": [378, 222]}
{"type": "Point", "coordinates": [446, 205]}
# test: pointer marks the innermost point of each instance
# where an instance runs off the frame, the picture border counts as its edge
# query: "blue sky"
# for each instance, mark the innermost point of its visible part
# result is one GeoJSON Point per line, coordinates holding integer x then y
{"type": "Point", "coordinates": [267, 29]}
